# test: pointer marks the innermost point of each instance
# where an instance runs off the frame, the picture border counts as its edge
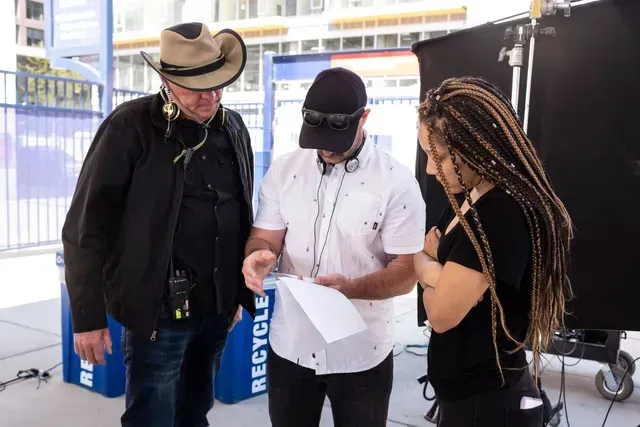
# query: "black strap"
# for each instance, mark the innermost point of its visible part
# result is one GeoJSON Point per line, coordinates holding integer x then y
{"type": "Point", "coordinates": [180, 190]}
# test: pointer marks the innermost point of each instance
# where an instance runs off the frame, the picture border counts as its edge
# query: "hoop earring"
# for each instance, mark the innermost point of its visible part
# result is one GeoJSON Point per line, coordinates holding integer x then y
{"type": "Point", "coordinates": [170, 109]}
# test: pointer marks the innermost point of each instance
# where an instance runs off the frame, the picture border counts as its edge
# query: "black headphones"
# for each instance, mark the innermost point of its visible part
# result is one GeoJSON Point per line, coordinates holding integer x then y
{"type": "Point", "coordinates": [351, 164]}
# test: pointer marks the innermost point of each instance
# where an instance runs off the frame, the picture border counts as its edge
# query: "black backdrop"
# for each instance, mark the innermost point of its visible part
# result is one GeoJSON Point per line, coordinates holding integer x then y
{"type": "Point", "coordinates": [585, 123]}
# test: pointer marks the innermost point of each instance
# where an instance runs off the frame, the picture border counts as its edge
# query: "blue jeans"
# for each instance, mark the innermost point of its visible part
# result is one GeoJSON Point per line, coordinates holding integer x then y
{"type": "Point", "coordinates": [170, 380]}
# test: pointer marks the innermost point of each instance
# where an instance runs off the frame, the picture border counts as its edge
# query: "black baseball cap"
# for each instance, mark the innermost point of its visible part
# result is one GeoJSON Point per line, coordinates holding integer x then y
{"type": "Point", "coordinates": [334, 91]}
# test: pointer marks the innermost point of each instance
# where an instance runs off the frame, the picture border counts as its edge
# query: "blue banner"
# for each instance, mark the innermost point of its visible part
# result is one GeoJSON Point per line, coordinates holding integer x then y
{"type": "Point", "coordinates": [75, 27]}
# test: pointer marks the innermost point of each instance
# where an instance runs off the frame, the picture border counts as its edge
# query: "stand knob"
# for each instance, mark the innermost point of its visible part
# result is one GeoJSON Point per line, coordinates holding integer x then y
{"type": "Point", "coordinates": [550, 7]}
{"type": "Point", "coordinates": [548, 31]}
{"type": "Point", "coordinates": [509, 33]}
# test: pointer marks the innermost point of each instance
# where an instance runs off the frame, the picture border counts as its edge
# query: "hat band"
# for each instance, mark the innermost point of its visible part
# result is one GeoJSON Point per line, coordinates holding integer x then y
{"type": "Point", "coordinates": [177, 71]}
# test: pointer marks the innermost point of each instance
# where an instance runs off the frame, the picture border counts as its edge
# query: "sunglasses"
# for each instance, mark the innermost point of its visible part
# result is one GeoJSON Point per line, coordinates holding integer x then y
{"type": "Point", "coordinates": [336, 121]}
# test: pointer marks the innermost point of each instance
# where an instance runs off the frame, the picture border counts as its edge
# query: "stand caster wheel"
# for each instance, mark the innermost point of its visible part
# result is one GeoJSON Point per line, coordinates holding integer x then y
{"type": "Point", "coordinates": [625, 360]}
{"type": "Point", "coordinates": [555, 420]}
{"type": "Point", "coordinates": [626, 389]}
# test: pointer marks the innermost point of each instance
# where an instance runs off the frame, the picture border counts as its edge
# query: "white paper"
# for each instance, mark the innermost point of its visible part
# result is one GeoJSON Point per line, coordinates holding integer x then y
{"type": "Point", "coordinates": [303, 339]}
{"type": "Point", "coordinates": [328, 310]}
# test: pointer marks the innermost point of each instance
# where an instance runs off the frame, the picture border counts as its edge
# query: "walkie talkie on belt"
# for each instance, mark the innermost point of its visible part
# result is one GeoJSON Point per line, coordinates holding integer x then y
{"type": "Point", "coordinates": [180, 285]}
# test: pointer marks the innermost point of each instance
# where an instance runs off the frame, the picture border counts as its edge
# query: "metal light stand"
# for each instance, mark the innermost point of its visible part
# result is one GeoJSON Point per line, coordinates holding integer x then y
{"type": "Point", "coordinates": [527, 33]}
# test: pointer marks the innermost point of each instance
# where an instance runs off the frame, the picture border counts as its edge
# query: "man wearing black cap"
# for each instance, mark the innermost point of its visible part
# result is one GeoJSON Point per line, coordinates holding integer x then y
{"type": "Point", "coordinates": [349, 215]}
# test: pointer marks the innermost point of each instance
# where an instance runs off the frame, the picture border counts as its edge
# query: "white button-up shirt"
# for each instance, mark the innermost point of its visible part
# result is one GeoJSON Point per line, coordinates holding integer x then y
{"type": "Point", "coordinates": [342, 223]}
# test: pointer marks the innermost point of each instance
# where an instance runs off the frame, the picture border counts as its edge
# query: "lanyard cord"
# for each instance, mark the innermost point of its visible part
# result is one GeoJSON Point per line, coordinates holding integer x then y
{"type": "Point", "coordinates": [206, 134]}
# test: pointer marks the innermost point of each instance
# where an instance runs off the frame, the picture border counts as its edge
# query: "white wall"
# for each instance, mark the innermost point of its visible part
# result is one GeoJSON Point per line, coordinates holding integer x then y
{"type": "Point", "coordinates": [228, 10]}
{"type": "Point", "coordinates": [270, 7]}
{"type": "Point", "coordinates": [483, 11]}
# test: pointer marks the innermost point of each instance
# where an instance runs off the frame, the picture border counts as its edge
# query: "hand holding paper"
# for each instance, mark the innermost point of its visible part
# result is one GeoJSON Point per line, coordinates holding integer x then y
{"type": "Point", "coordinates": [330, 312]}
{"type": "Point", "coordinates": [337, 282]}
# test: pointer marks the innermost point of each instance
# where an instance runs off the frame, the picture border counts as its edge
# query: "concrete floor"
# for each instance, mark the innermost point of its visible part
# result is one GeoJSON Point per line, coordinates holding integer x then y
{"type": "Point", "coordinates": [30, 338]}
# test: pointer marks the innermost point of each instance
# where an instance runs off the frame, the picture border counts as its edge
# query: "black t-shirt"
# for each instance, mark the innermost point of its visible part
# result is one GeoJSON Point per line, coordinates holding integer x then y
{"type": "Point", "coordinates": [462, 361]}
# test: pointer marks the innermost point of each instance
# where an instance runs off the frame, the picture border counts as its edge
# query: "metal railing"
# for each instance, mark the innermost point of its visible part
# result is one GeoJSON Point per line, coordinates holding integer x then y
{"type": "Point", "coordinates": [47, 125]}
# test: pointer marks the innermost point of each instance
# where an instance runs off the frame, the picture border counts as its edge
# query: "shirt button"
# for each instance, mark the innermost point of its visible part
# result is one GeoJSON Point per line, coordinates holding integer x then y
{"type": "Point", "coordinates": [210, 187]}
{"type": "Point", "coordinates": [215, 270]}
{"type": "Point", "coordinates": [204, 157]}
{"type": "Point", "coordinates": [217, 238]}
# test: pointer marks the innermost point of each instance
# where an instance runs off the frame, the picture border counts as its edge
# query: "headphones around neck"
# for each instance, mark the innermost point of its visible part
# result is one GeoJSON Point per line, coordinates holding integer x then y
{"type": "Point", "coordinates": [350, 164]}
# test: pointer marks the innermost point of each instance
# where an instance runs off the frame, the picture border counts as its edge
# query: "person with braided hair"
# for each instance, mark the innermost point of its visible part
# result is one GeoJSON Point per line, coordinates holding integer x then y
{"type": "Point", "coordinates": [494, 269]}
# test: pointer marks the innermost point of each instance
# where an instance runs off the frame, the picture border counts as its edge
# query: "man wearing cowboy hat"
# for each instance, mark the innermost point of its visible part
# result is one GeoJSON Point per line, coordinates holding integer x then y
{"type": "Point", "coordinates": [155, 233]}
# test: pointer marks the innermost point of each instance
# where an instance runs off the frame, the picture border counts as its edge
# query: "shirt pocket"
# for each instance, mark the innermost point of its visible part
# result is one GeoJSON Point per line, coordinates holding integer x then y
{"type": "Point", "coordinates": [359, 214]}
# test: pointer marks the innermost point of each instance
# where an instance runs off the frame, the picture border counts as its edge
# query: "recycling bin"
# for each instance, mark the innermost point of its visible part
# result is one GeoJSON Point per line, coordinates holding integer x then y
{"type": "Point", "coordinates": [243, 369]}
{"type": "Point", "coordinates": [108, 379]}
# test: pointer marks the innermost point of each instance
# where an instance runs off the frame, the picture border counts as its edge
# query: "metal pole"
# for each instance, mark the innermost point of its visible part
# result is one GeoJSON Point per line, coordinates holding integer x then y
{"type": "Point", "coordinates": [263, 154]}
{"type": "Point", "coordinates": [106, 55]}
{"type": "Point", "coordinates": [516, 60]}
{"type": "Point", "coordinates": [527, 99]}
{"type": "Point", "coordinates": [515, 88]}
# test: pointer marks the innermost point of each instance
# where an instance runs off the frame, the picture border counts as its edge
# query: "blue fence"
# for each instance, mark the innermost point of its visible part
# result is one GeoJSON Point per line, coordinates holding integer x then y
{"type": "Point", "coordinates": [47, 125]}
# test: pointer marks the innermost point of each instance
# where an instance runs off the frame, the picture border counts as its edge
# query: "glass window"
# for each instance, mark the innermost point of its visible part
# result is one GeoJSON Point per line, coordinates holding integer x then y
{"type": "Point", "coordinates": [290, 48]}
{"type": "Point", "coordinates": [434, 34]}
{"type": "Point", "coordinates": [352, 43]}
{"type": "Point", "coordinates": [291, 7]}
{"type": "Point", "coordinates": [387, 40]}
{"type": "Point", "coordinates": [270, 47]}
{"type": "Point", "coordinates": [330, 45]}
{"type": "Point", "coordinates": [124, 71]}
{"type": "Point", "coordinates": [407, 39]}
{"type": "Point", "coordinates": [138, 72]}
{"type": "Point", "coordinates": [369, 42]}
{"type": "Point", "coordinates": [35, 37]}
{"type": "Point", "coordinates": [316, 6]}
{"type": "Point", "coordinates": [35, 10]}
{"type": "Point", "coordinates": [252, 69]}
{"type": "Point", "coordinates": [216, 11]}
{"type": "Point", "coordinates": [310, 46]}
{"type": "Point", "coordinates": [408, 82]}
{"type": "Point", "coordinates": [153, 82]}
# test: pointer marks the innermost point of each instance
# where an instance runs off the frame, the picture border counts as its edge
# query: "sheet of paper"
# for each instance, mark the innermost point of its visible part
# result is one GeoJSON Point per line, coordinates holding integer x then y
{"type": "Point", "coordinates": [303, 339]}
{"type": "Point", "coordinates": [330, 312]}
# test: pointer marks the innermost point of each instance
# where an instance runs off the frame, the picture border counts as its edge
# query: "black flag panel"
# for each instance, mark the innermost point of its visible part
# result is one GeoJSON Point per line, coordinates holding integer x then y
{"type": "Point", "coordinates": [585, 124]}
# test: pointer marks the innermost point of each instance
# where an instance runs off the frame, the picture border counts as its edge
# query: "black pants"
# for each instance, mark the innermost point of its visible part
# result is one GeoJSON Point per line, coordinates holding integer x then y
{"type": "Point", "coordinates": [297, 394]}
{"type": "Point", "coordinates": [494, 409]}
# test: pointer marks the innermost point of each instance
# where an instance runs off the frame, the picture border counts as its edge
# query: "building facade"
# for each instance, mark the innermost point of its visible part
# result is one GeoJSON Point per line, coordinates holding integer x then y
{"type": "Point", "coordinates": [283, 27]}
{"type": "Point", "coordinates": [29, 27]}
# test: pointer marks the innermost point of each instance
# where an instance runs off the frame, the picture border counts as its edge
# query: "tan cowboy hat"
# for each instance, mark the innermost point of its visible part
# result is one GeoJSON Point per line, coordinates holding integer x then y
{"type": "Point", "coordinates": [192, 58]}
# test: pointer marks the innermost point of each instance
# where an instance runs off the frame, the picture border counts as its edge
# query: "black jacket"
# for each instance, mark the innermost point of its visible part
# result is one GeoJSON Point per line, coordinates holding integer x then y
{"type": "Point", "coordinates": [118, 231]}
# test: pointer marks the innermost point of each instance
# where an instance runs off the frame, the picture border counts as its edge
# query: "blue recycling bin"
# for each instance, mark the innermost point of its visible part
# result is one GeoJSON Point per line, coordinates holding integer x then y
{"type": "Point", "coordinates": [108, 379]}
{"type": "Point", "coordinates": [243, 370]}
